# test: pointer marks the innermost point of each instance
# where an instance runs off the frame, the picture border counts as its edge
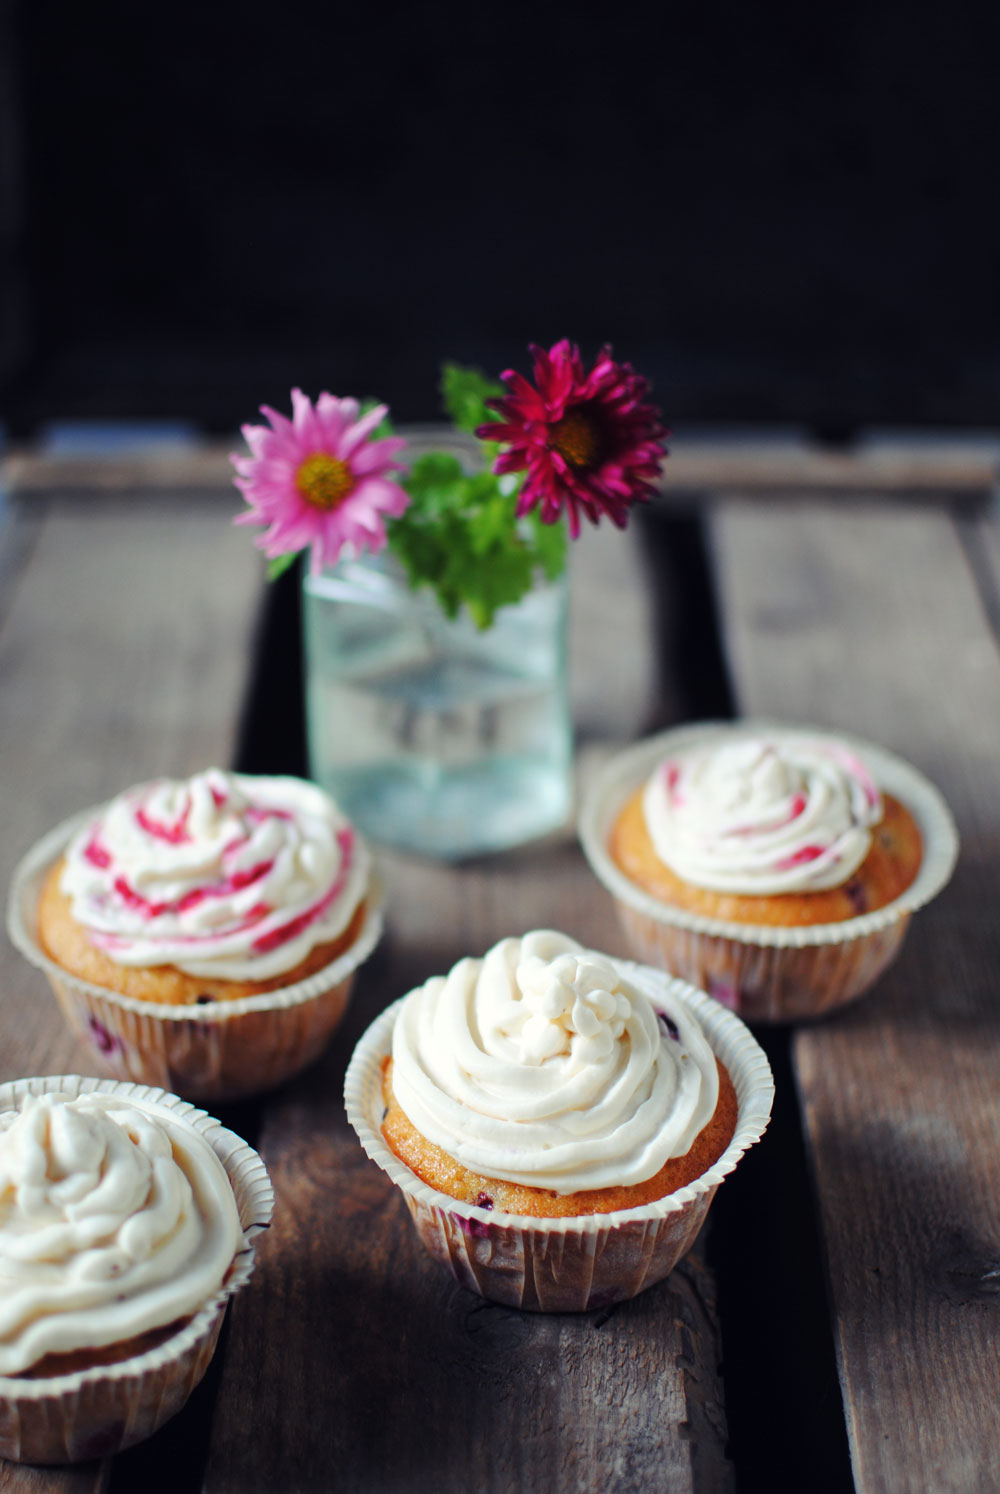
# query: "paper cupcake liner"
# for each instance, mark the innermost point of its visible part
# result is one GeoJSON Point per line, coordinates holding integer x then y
{"type": "Point", "coordinates": [767, 973]}
{"type": "Point", "coordinates": [96, 1412]}
{"type": "Point", "coordinates": [567, 1264]}
{"type": "Point", "coordinates": [218, 1051]}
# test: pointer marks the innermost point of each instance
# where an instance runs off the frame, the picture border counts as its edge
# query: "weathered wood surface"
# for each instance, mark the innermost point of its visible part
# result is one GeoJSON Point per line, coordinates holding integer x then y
{"type": "Point", "coordinates": [392, 1377]}
{"type": "Point", "coordinates": [126, 623]}
{"type": "Point", "coordinates": [352, 1361]}
{"type": "Point", "coordinates": [698, 462]}
{"type": "Point", "coordinates": [481, 1397]}
{"type": "Point", "coordinates": [89, 1478]}
{"type": "Point", "coordinates": [125, 635]}
{"type": "Point", "coordinates": [854, 617]}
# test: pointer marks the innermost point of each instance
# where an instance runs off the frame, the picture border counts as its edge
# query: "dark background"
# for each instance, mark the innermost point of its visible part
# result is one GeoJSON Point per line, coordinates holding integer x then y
{"type": "Point", "coordinates": [779, 214]}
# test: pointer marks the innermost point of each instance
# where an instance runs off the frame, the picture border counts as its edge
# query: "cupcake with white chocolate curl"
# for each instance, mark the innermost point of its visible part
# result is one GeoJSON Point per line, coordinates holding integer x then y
{"type": "Point", "coordinates": [776, 866]}
{"type": "Point", "coordinates": [202, 934]}
{"type": "Point", "coordinates": [572, 1111]}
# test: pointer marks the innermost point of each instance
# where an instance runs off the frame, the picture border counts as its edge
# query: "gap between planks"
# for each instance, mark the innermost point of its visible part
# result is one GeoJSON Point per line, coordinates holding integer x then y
{"type": "Point", "coordinates": [123, 655]}
{"type": "Point", "coordinates": [868, 619]}
{"type": "Point", "coordinates": [390, 1374]}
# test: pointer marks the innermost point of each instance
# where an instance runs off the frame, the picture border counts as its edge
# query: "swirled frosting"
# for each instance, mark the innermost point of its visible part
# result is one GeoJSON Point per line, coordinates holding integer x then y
{"type": "Point", "coordinates": [752, 814]}
{"type": "Point", "coordinates": [114, 1219]}
{"type": "Point", "coordinates": [541, 1064]}
{"type": "Point", "coordinates": [221, 875]}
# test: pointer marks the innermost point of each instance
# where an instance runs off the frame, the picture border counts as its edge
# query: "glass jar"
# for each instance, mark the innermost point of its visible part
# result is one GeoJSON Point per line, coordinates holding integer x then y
{"type": "Point", "coordinates": [434, 735]}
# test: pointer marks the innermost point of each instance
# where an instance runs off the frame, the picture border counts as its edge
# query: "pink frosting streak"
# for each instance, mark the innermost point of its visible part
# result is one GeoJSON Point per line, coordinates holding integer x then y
{"type": "Point", "coordinates": [800, 858]}
{"type": "Point", "coordinates": [175, 834]}
{"type": "Point", "coordinates": [158, 878]}
{"type": "Point", "coordinates": [277, 937]}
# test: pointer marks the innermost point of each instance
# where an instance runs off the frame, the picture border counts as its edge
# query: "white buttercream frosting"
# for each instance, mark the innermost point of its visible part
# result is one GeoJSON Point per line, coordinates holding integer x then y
{"type": "Point", "coordinates": [114, 1219]}
{"type": "Point", "coordinates": [542, 1064]}
{"type": "Point", "coordinates": [762, 814]}
{"type": "Point", "coordinates": [222, 875]}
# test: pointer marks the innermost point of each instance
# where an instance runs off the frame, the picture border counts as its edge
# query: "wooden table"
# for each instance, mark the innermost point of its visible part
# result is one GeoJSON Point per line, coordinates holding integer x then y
{"type": "Point", "coordinates": [839, 1316]}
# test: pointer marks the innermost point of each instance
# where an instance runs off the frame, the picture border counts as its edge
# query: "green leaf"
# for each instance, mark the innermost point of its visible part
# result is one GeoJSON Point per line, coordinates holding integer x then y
{"type": "Point", "coordinates": [281, 563]}
{"type": "Point", "coordinates": [465, 392]}
{"type": "Point", "coordinates": [435, 469]}
{"type": "Point", "coordinates": [460, 537]}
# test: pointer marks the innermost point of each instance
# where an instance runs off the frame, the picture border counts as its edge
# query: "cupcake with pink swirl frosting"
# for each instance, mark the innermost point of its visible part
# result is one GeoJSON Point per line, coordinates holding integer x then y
{"type": "Point", "coordinates": [202, 934]}
{"type": "Point", "coordinates": [775, 865]}
{"type": "Point", "coordinates": [776, 828]}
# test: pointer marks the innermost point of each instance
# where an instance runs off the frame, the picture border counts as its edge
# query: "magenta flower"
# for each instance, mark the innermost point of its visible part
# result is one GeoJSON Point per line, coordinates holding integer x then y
{"type": "Point", "coordinates": [586, 441]}
{"type": "Point", "coordinates": [319, 479]}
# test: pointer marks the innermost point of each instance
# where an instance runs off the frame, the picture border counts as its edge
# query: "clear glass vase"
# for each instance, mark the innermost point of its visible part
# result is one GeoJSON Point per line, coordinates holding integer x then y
{"type": "Point", "coordinates": [434, 735]}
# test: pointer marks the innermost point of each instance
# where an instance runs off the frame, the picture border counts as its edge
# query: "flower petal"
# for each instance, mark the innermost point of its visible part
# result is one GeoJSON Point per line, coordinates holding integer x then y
{"type": "Point", "coordinates": [359, 432]}
{"type": "Point", "coordinates": [268, 478]}
{"type": "Point", "coordinates": [618, 457]}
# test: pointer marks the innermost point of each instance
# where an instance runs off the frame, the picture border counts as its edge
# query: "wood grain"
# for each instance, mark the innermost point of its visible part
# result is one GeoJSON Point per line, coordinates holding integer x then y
{"type": "Point", "coordinates": [957, 465]}
{"type": "Point", "coordinates": [353, 1359]}
{"type": "Point", "coordinates": [858, 618]}
{"type": "Point", "coordinates": [87, 1479]}
{"type": "Point", "coordinates": [125, 632]}
{"type": "Point", "coordinates": [123, 655]}
{"type": "Point", "coordinates": [355, 1355]}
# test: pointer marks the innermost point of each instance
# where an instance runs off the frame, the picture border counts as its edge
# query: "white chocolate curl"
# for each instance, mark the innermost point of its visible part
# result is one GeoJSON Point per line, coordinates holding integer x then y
{"type": "Point", "coordinates": [541, 1064]}
{"type": "Point", "coordinates": [114, 1220]}
{"type": "Point", "coordinates": [762, 815]}
{"type": "Point", "coordinates": [224, 876]}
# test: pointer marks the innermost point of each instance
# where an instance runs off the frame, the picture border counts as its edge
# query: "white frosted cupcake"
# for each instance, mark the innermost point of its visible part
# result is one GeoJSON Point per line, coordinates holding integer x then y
{"type": "Point", "coordinates": [126, 1222]}
{"type": "Point", "coordinates": [777, 866]}
{"type": "Point", "coordinates": [558, 1121]}
{"type": "Point", "coordinates": [201, 934]}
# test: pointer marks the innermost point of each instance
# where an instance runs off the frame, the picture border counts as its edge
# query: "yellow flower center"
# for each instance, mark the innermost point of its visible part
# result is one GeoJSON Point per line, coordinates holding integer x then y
{"type": "Point", "coordinates": [576, 437]}
{"type": "Point", "coordinates": [324, 481]}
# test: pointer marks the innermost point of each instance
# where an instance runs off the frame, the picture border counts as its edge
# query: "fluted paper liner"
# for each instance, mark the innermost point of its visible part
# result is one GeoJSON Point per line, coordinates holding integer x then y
{"type": "Point", "coordinates": [574, 1263]}
{"type": "Point", "coordinates": [95, 1412]}
{"type": "Point", "coordinates": [767, 973]}
{"type": "Point", "coordinates": [218, 1050]}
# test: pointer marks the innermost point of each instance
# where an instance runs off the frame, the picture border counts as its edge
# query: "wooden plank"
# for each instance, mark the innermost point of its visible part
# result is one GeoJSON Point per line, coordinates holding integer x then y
{"type": "Point", "coordinates": [789, 468]}
{"type": "Point", "coordinates": [123, 656]}
{"type": "Point", "coordinates": [980, 535]}
{"type": "Point", "coordinates": [701, 463]}
{"type": "Point", "coordinates": [391, 1376]}
{"type": "Point", "coordinates": [865, 619]}
{"type": "Point", "coordinates": [614, 679]}
{"type": "Point", "coordinates": [86, 1479]}
{"type": "Point", "coordinates": [20, 525]}
{"type": "Point", "coordinates": [172, 645]}
{"type": "Point", "coordinates": [125, 631]}
{"type": "Point", "coordinates": [355, 1317]}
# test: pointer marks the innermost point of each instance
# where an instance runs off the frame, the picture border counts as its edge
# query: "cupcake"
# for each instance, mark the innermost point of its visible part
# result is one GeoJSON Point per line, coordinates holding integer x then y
{"type": "Point", "coordinates": [558, 1121]}
{"type": "Point", "coordinates": [126, 1222]}
{"type": "Point", "coordinates": [202, 935]}
{"type": "Point", "coordinates": [775, 866]}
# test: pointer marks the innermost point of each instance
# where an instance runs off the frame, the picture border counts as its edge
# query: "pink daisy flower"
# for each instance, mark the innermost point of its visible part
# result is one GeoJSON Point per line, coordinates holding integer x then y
{"type": "Point", "coordinates": [587, 442]}
{"type": "Point", "coordinates": [319, 479]}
